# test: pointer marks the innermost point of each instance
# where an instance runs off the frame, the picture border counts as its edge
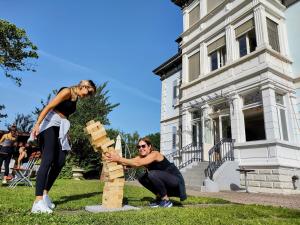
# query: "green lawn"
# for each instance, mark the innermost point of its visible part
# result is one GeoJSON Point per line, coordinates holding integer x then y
{"type": "Point", "coordinates": [72, 196]}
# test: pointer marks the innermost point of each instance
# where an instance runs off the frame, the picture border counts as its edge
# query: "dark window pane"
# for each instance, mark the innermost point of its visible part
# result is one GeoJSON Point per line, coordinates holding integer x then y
{"type": "Point", "coordinates": [252, 40]}
{"type": "Point", "coordinates": [214, 61]}
{"type": "Point", "coordinates": [273, 35]}
{"type": "Point", "coordinates": [243, 46]}
{"type": "Point", "coordinates": [254, 124]}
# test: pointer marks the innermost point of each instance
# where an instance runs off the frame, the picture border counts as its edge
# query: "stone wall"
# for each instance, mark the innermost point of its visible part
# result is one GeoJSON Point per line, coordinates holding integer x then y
{"type": "Point", "coordinates": [272, 179]}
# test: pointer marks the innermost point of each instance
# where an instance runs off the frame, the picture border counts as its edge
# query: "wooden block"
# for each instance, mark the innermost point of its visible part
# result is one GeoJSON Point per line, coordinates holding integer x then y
{"type": "Point", "coordinates": [107, 144]}
{"type": "Point", "coordinates": [99, 141]}
{"type": "Point", "coordinates": [90, 123]}
{"type": "Point", "coordinates": [98, 134]}
{"type": "Point", "coordinates": [116, 174]}
{"type": "Point", "coordinates": [93, 127]}
{"type": "Point", "coordinates": [113, 168]}
{"type": "Point", "coordinates": [108, 165]}
{"type": "Point", "coordinates": [115, 182]}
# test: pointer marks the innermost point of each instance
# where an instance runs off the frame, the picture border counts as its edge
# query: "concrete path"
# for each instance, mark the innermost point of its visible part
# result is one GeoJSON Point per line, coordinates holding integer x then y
{"type": "Point", "coordinates": [288, 201]}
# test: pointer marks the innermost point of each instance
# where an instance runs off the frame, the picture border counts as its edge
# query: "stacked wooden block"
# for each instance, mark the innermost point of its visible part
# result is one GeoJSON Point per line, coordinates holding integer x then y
{"type": "Point", "coordinates": [113, 172]}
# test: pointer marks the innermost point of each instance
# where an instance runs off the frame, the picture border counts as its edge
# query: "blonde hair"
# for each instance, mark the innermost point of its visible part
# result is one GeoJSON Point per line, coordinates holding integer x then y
{"type": "Point", "coordinates": [81, 84]}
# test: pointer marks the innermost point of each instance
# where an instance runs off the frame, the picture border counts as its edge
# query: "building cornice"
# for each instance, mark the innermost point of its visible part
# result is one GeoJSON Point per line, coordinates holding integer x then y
{"type": "Point", "coordinates": [173, 62]}
{"type": "Point", "coordinates": [182, 3]}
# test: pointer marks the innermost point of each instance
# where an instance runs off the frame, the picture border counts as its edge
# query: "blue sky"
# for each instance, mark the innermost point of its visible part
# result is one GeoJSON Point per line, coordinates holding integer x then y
{"type": "Point", "coordinates": [116, 41]}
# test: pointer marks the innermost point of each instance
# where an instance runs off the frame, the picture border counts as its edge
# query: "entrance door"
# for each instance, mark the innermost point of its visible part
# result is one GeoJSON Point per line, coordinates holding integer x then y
{"type": "Point", "coordinates": [226, 126]}
{"type": "Point", "coordinates": [197, 133]}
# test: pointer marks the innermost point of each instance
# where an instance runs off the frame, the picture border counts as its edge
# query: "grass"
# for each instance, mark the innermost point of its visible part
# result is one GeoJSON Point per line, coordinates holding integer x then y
{"type": "Point", "coordinates": [72, 196]}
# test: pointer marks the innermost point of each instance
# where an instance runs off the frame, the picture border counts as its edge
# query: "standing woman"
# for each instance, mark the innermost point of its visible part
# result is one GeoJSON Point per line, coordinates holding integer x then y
{"type": "Point", "coordinates": [7, 142]}
{"type": "Point", "coordinates": [52, 128]}
{"type": "Point", "coordinates": [162, 177]}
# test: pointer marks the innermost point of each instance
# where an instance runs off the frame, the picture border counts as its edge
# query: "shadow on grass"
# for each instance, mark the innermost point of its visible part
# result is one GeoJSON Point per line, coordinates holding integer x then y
{"type": "Point", "coordinates": [145, 201]}
{"type": "Point", "coordinates": [69, 198]}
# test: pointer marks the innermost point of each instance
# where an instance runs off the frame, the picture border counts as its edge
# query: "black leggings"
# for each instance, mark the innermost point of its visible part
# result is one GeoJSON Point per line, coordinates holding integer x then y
{"type": "Point", "coordinates": [53, 159]}
{"type": "Point", "coordinates": [6, 158]}
{"type": "Point", "coordinates": [160, 183]}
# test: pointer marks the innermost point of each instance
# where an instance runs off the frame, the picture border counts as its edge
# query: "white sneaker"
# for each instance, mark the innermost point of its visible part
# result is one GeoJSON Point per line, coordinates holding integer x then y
{"type": "Point", "coordinates": [4, 181]}
{"type": "Point", "coordinates": [40, 207]}
{"type": "Point", "coordinates": [48, 201]}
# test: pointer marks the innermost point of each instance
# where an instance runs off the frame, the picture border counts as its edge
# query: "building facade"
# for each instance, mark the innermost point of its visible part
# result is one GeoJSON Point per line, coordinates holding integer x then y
{"type": "Point", "coordinates": [234, 80]}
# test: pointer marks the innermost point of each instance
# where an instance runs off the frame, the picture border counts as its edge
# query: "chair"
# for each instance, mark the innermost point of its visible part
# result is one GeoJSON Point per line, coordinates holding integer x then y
{"type": "Point", "coordinates": [23, 174]}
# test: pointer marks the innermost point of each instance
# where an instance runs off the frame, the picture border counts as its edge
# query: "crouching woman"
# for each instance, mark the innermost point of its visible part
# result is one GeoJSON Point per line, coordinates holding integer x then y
{"type": "Point", "coordinates": [162, 178]}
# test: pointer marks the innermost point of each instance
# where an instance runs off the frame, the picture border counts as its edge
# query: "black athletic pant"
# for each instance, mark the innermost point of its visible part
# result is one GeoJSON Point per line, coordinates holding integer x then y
{"type": "Point", "coordinates": [6, 158]}
{"type": "Point", "coordinates": [160, 183]}
{"type": "Point", "coordinates": [53, 159]}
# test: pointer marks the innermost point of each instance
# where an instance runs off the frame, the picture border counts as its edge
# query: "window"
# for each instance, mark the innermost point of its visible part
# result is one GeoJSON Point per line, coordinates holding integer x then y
{"type": "Point", "coordinates": [217, 54]}
{"type": "Point", "coordinates": [218, 58]}
{"type": "Point", "coordinates": [246, 37]}
{"type": "Point", "coordinates": [194, 15]}
{"type": "Point", "coordinates": [173, 138]}
{"type": "Point", "coordinates": [194, 66]}
{"type": "Point", "coordinates": [254, 124]}
{"type": "Point", "coordinates": [174, 92]}
{"type": "Point", "coordinates": [254, 116]}
{"type": "Point", "coordinates": [273, 35]}
{"type": "Point", "coordinates": [282, 123]}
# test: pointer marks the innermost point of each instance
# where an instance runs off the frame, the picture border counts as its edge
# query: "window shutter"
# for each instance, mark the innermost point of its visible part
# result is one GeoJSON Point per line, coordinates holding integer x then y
{"type": "Point", "coordinates": [212, 4]}
{"type": "Point", "coordinates": [215, 45]}
{"type": "Point", "coordinates": [194, 66]}
{"type": "Point", "coordinates": [245, 27]}
{"type": "Point", "coordinates": [194, 15]}
{"type": "Point", "coordinates": [273, 34]}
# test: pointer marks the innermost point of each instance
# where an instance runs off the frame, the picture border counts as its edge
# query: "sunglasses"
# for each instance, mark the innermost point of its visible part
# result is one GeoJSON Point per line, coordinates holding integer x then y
{"type": "Point", "coordinates": [141, 146]}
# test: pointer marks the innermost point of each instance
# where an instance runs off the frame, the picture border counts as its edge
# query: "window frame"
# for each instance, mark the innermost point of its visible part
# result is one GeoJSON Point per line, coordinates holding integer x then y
{"type": "Point", "coordinates": [221, 58]}
{"type": "Point", "coordinates": [282, 108]}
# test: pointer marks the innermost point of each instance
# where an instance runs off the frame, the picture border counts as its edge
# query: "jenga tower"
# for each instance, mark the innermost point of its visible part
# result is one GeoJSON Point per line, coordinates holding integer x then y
{"type": "Point", "coordinates": [112, 172]}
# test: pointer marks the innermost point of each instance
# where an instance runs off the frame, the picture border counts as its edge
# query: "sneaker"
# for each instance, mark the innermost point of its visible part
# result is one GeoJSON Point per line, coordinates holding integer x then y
{"type": "Point", "coordinates": [165, 204]}
{"type": "Point", "coordinates": [40, 207]}
{"type": "Point", "coordinates": [154, 204]}
{"type": "Point", "coordinates": [4, 181]}
{"type": "Point", "coordinates": [48, 201]}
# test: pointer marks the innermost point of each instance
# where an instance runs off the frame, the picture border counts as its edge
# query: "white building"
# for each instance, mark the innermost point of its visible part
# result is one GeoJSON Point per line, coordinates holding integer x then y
{"type": "Point", "coordinates": [232, 82]}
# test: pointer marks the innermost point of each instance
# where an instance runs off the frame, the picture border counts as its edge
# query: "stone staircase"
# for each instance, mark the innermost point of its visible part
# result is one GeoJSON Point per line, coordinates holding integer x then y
{"type": "Point", "coordinates": [194, 175]}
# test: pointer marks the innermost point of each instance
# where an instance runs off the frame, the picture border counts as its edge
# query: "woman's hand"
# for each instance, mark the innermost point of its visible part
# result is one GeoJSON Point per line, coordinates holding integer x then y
{"type": "Point", "coordinates": [36, 130]}
{"type": "Point", "coordinates": [112, 157]}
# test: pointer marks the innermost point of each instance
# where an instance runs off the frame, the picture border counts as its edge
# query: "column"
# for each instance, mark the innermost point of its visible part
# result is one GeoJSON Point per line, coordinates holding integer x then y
{"type": "Point", "coordinates": [203, 59]}
{"type": "Point", "coordinates": [185, 76]}
{"type": "Point", "coordinates": [185, 20]}
{"type": "Point", "coordinates": [261, 27]}
{"type": "Point", "coordinates": [203, 8]}
{"type": "Point", "coordinates": [237, 118]}
{"type": "Point", "coordinates": [270, 112]}
{"type": "Point", "coordinates": [230, 41]}
{"type": "Point", "coordinates": [186, 130]}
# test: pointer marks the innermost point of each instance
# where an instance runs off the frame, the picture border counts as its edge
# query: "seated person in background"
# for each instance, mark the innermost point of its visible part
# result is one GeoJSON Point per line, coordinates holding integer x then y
{"type": "Point", "coordinates": [162, 177]}
{"type": "Point", "coordinates": [22, 154]}
{"type": "Point", "coordinates": [7, 142]}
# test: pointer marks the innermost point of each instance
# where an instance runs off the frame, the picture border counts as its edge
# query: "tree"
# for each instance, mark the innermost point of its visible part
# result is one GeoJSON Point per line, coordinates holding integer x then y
{"type": "Point", "coordinates": [155, 139]}
{"type": "Point", "coordinates": [2, 115]}
{"type": "Point", "coordinates": [95, 108]}
{"type": "Point", "coordinates": [24, 123]}
{"type": "Point", "coordinates": [15, 51]}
